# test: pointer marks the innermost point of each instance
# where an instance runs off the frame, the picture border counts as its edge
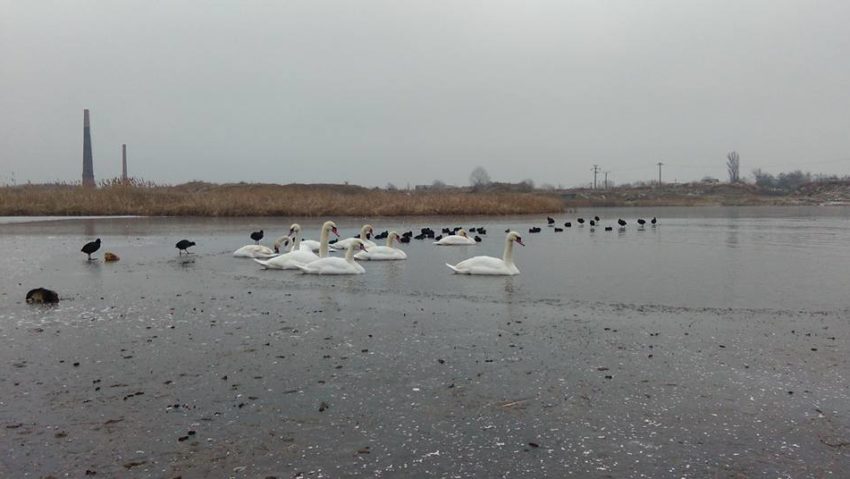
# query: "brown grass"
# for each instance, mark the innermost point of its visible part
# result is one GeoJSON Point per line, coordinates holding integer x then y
{"type": "Point", "coordinates": [205, 199]}
{"type": "Point", "coordinates": [678, 194]}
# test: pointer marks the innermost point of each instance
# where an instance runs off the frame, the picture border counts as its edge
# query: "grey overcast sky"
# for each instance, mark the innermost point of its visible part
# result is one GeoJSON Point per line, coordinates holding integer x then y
{"type": "Point", "coordinates": [377, 91]}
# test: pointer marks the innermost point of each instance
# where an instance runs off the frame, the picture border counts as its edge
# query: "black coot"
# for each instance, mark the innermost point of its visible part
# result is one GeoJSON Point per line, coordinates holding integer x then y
{"type": "Point", "coordinates": [183, 245]}
{"type": "Point", "coordinates": [91, 247]}
{"type": "Point", "coordinates": [257, 236]}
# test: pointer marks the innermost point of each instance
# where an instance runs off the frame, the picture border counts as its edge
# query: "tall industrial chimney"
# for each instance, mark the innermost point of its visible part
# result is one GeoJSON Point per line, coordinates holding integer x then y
{"type": "Point", "coordinates": [124, 163]}
{"type": "Point", "coordinates": [88, 168]}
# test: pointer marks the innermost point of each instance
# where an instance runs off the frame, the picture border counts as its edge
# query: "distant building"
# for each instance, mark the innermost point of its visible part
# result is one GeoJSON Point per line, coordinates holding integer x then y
{"type": "Point", "coordinates": [88, 167]}
{"type": "Point", "coordinates": [124, 163]}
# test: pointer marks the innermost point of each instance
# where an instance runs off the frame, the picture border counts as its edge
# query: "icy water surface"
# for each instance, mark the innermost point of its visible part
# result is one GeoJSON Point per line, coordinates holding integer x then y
{"type": "Point", "coordinates": [712, 345]}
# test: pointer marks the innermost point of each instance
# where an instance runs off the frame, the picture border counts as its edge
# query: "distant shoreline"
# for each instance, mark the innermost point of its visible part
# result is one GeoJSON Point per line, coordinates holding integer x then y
{"type": "Point", "coordinates": [832, 193]}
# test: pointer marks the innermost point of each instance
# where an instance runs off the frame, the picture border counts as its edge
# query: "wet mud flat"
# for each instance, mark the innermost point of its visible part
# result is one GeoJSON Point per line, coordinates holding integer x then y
{"type": "Point", "coordinates": [272, 374]}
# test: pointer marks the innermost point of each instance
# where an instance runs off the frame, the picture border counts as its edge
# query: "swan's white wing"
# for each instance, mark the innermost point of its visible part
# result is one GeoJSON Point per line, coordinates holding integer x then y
{"type": "Point", "coordinates": [254, 251]}
{"type": "Point", "coordinates": [484, 265]}
{"type": "Point", "coordinates": [345, 243]}
{"type": "Point", "coordinates": [311, 245]}
{"type": "Point", "coordinates": [331, 266]}
{"type": "Point", "coordinates": [381, 253]}
{"type": "Point", "coordinates": [455, 240]}
{"type": "Point", "coordinates": [303, 256]}
{"type": "Point", "coordinates": [264, 263]}
{"type": "Point", "coordinates": [290, 260]}
{"type": "Point", "coordinates": [274, 263]}
{"type": "Point", "coordinates": [341, 244]}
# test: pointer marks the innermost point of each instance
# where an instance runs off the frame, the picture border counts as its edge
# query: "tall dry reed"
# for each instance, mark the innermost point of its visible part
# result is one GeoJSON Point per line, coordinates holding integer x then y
{"type": "Point", "coordinates": [114, 197]}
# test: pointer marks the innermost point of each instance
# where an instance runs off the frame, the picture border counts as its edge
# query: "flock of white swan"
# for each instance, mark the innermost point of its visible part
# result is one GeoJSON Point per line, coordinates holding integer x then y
{"type": "Point", "coordinates": [311, 257]}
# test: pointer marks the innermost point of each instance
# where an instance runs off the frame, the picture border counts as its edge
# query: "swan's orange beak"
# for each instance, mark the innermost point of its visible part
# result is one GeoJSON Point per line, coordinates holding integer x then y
{"type": "Point", "coordinates": [335, 231]}
{"type": "Point", "coordinates": [519, 240]}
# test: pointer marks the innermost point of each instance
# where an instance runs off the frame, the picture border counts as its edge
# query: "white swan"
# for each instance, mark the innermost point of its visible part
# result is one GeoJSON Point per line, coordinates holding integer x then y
{"type": "Point", "coordinates": [311, 245]}
{"type": "Point", "coordinates": [327, 228]}
{"type": "Point", "coordinates": [336, 265]}
{"type": "Point", "coordinates": [365, 231]}
{"type": "Point", "coordinates": [383, 253]}
{"type": "Point", "coordinates": [254, 251]}
{"type": "Point", "coordinates": [489, 265]}
{"type": "Point", "coordinates": [281, 243]}
{"type": "Point", "coordinates": [297, 255]}
{"type": "Point", "coordinates": [295, 234]}
{"type": "Point", "coordinates": [290, 260]}
{"type": "Point", "coordinates": [459, 239]}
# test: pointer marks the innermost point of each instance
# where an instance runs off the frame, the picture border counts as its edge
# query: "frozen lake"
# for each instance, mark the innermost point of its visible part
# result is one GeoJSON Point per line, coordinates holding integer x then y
{"type": "Point", "coordinates": [713, 344]}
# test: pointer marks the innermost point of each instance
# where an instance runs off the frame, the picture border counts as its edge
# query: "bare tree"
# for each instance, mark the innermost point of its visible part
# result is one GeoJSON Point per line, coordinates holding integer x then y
{"type": "Point", "coordinates": [479, 177]}
{"type": "Point", "coordinates": [733, 166]}
{"type": "Point", "coordinates": [438, 184]}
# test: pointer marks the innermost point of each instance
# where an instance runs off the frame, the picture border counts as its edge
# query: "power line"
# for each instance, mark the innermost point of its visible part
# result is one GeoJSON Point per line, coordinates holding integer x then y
{"type": "Point", "coordinates": [659, 172]}
{"type": "Point", "coordinates": [595, 170]}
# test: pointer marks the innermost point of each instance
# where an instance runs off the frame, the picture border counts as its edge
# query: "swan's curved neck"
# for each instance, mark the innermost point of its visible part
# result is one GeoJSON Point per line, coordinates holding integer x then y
{"type": "Point", "coordinates": [323, 245]}
{"type": "Point", "coordinates": [390, 239]}
{"type": "Point", "coordinates": [296, 242]}
{"type": "Point", "coordinates": [508, 255]}
{"type": "Point", "coordinates": [349, 253]}
{"type": "Point", "coordinates": [279, 242]}
{"type": "Point", "coordinates": [363, 232]}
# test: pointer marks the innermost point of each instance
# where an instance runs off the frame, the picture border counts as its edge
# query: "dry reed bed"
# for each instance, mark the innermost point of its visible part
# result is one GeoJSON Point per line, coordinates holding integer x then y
{"type": "Point", "coordinates": [202, 199]}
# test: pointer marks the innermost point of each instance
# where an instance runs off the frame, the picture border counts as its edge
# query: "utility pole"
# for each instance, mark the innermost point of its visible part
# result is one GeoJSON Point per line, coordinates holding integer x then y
{"type": "Point", "coordinates": [595, 170]}
{"type": "Point", "coordinates": [659, 172]}
{"type": "Point", "coordinates": [606, 179]}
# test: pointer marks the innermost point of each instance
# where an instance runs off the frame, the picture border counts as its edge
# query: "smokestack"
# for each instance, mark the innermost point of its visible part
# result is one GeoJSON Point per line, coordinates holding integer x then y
{"type": "Point", "coordinates": [124, 163]}
{"type": "Point", "coordinates": [88, 168]}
